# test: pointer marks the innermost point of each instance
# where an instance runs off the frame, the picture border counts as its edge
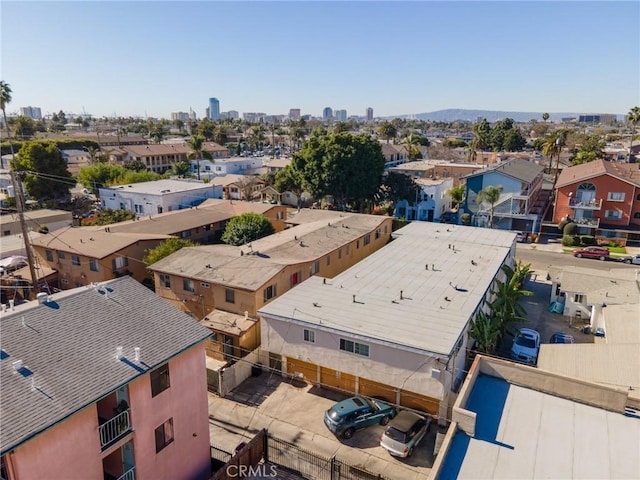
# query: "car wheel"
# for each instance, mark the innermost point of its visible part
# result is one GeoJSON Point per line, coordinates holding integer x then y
{"type": "Point", "coordinates": [603, 258]}
{"type": "Point", "coordinates": [348, 433]}
{"type": "Point", "coordinates": [627, 261]}
{"type": "Point", "coordinates": [410, 452]}
{"type": "Point", "coordinates": [579, 255]}
{"type": "Point", "coordinates": [384, 420]}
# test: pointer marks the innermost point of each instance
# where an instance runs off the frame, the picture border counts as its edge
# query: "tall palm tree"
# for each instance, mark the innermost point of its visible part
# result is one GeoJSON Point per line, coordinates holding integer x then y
{"type": "Point", "coordinates": [5, 99]}
{"type": "Point", "coordinates": [197, 152]}
{"type": "Point", "coordinates": [412, 143]}
{"type": "Point", "coordinates": [633, 117]}
{"type": "Point", "coordinates": [491, 195]}
{"type": "Point", "coordinates": [505, 307]}
{"type": "Point", "coordinates": [551, 147]}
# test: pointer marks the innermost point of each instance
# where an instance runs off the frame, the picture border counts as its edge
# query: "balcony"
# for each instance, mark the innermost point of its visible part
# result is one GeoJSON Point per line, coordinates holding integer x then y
{"type": "Point", "coordinates": [587, 222]}
{"type": "Point", "coordinates": [128, 475]}
{"type": "Point", "coordinates": [114, 428]}
{"type": "Point", "coordinates": [591, 205]}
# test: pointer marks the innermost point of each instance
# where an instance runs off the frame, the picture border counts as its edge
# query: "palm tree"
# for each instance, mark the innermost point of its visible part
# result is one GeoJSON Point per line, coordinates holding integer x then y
{"type": "Point", "coordinates": [491, 195]}
{"type": "Point", "coordinates": [456, 194]}
{"type": "Point", "coordinates": [545, 116]}
{"type": "Point", "coordinates": [486, 331]}
{"type": "Point", "coordinates": [633, 117]}
{"type": "Point", "coordinates": [387, 130]}
{"type": "Point", "coordinates": [197, 151]}
{"type": "Point", "coordinates": [5, 99]}
{"type": "Point", "coordinates": [505, 307]}
{"type": "Point", "coordinates": [411, 142]}
{"type": "Point", "coordinates": [550, 148]}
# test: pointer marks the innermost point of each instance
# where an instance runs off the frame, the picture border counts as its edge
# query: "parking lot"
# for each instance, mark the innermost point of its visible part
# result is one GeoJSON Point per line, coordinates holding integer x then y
{"type": "Point", "coordinates": [295, 414]}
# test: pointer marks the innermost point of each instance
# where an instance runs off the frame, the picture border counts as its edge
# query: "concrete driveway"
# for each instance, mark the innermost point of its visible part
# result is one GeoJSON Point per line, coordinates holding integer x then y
{"type": "Point", "coordinates": [295, 414]}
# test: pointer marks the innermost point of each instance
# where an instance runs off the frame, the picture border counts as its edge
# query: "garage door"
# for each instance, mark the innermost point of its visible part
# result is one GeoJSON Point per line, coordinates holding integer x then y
{"type": "Point", "coordinates": [419, 402]}
{"type": "Point", "coordinates": [338, 380]}
{"type": "Point", "coordinates": [373, 389]}
{"type": "Point", "coordinates": [309, 370]}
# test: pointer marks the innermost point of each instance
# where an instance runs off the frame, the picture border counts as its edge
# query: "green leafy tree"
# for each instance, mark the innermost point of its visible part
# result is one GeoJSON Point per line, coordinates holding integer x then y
{"type": "Point", "coordinates": [206, 129]}
{"type": "Point", "coordinates": [135, 165]}
{"type": "Point", "coordinates": [590, 149]}
{"type": "Point", "coordinates": [197, 151]}
{"type": "Point", "coordinates": [491, 195]}
{"type": "Point", "coordinates": [454, 143]}
{"type": "Point", "coordinates": [181, 169]}
{"type": "Point", "coordinates": [396, 187]}
{"type": "Point", "coordinates": [24, 127]}
{"type": "Point", "coordinates": [486, 331]}
{"type": "Point", "coordinates": [387, 131]}
{"type": "Point", "coordinates": [99, 175]}
{"type": "Point", "coordinates": [633, 117]}
{"type": "Point", "coordinates": [482, 136]}
{"type": "Point", "coordinates": [246, 228]}
{"type": "Point", "coordinates": [5, 99]}
{"type": "Point", "coordinates": [513, 140]}
{"type": "Point", "coordinates": [47, 177]}
{"type": "Point", "coordinates": [545, 116]}
{"type": "Point", "coordinates": [166, 248]}
{"type": "Point", "coordinates": [290, 180]}
{"type": "Point", "coordinates": [412, 144]}
{"type": "Point", "coordinates": [456, 194]}
{"type": "Point", "coordinates": [131, 176]}
{"type": "Point", "coordinates": [346, 166]}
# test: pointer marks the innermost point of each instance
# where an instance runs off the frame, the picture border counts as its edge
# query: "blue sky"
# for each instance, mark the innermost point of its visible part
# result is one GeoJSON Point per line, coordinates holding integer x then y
{"type": "Point", "coordinates": [137, 57]}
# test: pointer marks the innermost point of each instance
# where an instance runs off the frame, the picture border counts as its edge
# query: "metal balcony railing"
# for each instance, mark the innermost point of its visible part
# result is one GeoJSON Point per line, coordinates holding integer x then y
{"type": "Point", "coordinates": [591, 205]}
{"type": "Point", "coordinates": [587, 222]}
{"type": "Point", "coordinates": [114, 428]}
{"type": "Point", "coordinates": [128, 475]}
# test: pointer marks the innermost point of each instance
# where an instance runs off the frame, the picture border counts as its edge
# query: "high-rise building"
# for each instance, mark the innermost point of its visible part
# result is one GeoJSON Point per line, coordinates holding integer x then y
{"type": "Point", "coordinates": [341, 115]}
{"type": "Point", "coordinates": [369, 114]}
{"type": "Point", "coordinates": [192, 114]}
{"type": "Point", "coordinates": [32, 112]}
{"type": "Point", "coordinates": [327, 113]}
{"type": "Point", "coordinates": [294, 113]}
{"type": "Point", "coordinates": [214, 109]}
{"type": "Point", "coordinates": [182, 116]}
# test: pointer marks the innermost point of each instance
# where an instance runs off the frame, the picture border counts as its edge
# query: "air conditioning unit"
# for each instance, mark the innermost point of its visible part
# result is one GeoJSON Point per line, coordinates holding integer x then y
{"type": "Point", "coordinates": [435, 373]}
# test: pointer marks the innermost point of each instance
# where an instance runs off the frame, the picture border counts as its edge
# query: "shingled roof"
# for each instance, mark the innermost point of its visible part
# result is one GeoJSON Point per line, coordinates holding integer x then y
{"type": "Point", "coordinates": [627, 172]}
{"type": "Point", "coordinates": [68, 351]}
{"type": "Point", "coordinates": [516, 168]}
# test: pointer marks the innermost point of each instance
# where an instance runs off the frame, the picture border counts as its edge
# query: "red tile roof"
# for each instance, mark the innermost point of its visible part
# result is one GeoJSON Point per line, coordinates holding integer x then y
{"type": "Point", "coordinates": [628, 172]}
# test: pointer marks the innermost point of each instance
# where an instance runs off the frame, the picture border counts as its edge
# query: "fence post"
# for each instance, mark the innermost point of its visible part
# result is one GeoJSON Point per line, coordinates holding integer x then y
{"type": "Point", "coordinates": [333, 468]}
{"type": "Point", "coordinates": [265, 446]}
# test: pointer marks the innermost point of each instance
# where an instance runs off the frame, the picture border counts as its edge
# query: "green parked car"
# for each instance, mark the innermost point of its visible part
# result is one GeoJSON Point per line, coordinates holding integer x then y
{"type": "Point", "coordinates": [356, 413]}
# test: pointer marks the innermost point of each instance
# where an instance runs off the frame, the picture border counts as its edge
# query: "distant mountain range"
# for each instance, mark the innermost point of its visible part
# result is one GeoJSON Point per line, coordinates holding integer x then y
{"type": "Point", "coordinates": [453, 114]}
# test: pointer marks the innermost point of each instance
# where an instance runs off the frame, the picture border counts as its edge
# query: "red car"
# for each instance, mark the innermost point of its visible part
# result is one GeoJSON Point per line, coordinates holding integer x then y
{"type": "Point", "coordinates": [592, 252]}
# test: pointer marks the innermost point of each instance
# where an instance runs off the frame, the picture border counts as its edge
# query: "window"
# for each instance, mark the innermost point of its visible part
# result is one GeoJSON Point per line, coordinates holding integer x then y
{"type": "Point", "coordinates": [75, 260]}
{"type": "Point", "coordinates": [616, 196]}
{"type": "Point", "coordinates": [638, 197]}
{"type": "Point", "coordinates": [357, 243]}
{"type": "Point", "coordinates": [578, 298]}
{"type": "Point", "coordinates": [160, 380]}
{"type": "Point", "coordinates": [119, 262]}
{"type": "Point", "coordinates": [367, 239]}
{"type": "Point", "coordinates": [185, 234]}
{"type": "Point", "coordinates": [230, 295]}
{"type": "Point", "coordinates": [93, 265]}
{"type": "Point", "coordinates": [296, 278]}
{"type": "Point", "coordinates": [188, 285]}
{"type": "Point", "coordinates": [557, 290]}
{"type": "Point", "coordinates": [385, 228]}
{"type": "Point", "coordinates": [61, 255]}
{"type": "Point", "coordinates": [309, 336]}
{"type": "Point", "coordinates": [636, 215]}
{"type": "Point", "coordinates": [138, 209]}
{"type": "Point", "coordinates": [328, 259]}
{"type": "Point", "coordinates": [377, 234]}
{"type": "Point", "coordinates": [269, 292]}
{"type": "Point", "coordinates": [339, 253]}
{"type": "Point", "coordinates": [315, 268]}
{"type": "Point", "coordinates": [354, 347]}
{"type": "Point", "coordinates": [6, 232]}
{"type": "Point", "coordinates": [49, 254]}
{"type": "Point", "coordinates": [279, 215]}
{"type": "Point", "coordinates": [348, 248]}
{"type": "Point", "coordinates": [165, 280]}
{"type": "Point", "coordinates": [164, 435]}
{"type": "Point", "coordinates": [613, 214]}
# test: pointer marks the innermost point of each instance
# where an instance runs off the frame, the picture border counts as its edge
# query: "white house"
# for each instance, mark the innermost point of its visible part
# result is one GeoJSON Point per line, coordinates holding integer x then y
{"type": "Point", "coordinates": [150, 198]}
{"type": "Point", "coordinates": [395, 324]}
{"type": "Point", "coordinates": [431, 200]}
{"type": "Point", "coordinates": [226, 166]}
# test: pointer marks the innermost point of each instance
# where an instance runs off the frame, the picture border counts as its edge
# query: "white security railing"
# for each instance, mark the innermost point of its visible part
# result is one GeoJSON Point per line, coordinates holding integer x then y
{"type": "Point", "coordinates": [114, 428]}
{"type": "Point", "coordinates": [128, 475]}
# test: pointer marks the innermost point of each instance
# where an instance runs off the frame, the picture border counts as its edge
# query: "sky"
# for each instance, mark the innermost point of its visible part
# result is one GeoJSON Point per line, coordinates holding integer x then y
{"type": "Point", "coordinates": [144, 58]}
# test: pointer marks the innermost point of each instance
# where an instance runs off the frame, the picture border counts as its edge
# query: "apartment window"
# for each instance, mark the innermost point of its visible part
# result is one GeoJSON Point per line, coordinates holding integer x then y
{"type": "Point", "coordinates": [385, 229]}
{"type": "Point", "coordinates": [138, 209]}
{"type": "Point", "coordinates": [269, 292]}
{"type": "Point", "coordinates": [339, 253]}
{"type": "Point", "coordinates": [557, 290]}
{"type": "Point", "coordinates": [185, 234]}
{"type": "Point", "coordinates": [578, 298]}
{"type": "Point", "coordinates": [613, 214]}
{"type": "Point", "coordinates": [75, 260]}
{"type": "Point", "coordinates": [49, 254]}
{"type": "Point", "coordinates": [230, 295]}
{"type": "Point", "coordinates": [315, 268]}
{"type": "Point", "coordinates": [348, 249]}
{"type": "Point", "coordinates": [164, 435]}
{"type": "Point", "coordinates": [328, 259]}
{"type": "Point", "coordinates": [616, 196]}
{"type": "Point", "coordinates": [119, 262]}
{"type": "Point", "coordinates": [165, 280]}
{"type": "Point", "coordinates": [6, 232]}
{"type": "Point", "coordinates": [309, 336]}
{"type": "Point", "coordinates": [279, 215]}
{"type": "Point", "coordinates": [93, 265]}
{"type": "Point", "coordinates": [188, 285]}
{"type": "Point", "coordinates": [367, 239]}
{"type": "Point", "coordinates": [357, 243]}
{"type": "Point", "coordinates": [354, 347]}
{"type": "Point", "coordinates": [296, 278]}
{"type": "Point", "coordinates": [61, 255]}
{"type": "Point", "coordinates": [636, 215]}
{"type": "Point", "coordinates": [377, 234]}
{"type": "Point", "coordinates": [160, 380]}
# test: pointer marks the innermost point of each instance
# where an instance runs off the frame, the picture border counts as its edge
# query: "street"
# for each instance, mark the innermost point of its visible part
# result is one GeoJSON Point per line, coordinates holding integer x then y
{"type": "Point", "coordinates": [541, 259]}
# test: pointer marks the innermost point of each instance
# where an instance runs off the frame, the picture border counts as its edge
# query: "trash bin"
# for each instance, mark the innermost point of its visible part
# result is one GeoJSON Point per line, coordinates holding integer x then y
{"type": "Point", "coordinates": [256, 370]}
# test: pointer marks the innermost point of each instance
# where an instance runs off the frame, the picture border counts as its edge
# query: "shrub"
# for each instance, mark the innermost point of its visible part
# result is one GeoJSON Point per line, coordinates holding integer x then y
{"type": "Point", "coordinates": [588, 240]}
{"type": "Point", "coordinates": [568, 241]}
{"type": "Point", "coordinates": [570, 229]}
{"type": "Point", "coordinates": [43, 229]}
{"type": "Point", "coordinates": [465, 218]}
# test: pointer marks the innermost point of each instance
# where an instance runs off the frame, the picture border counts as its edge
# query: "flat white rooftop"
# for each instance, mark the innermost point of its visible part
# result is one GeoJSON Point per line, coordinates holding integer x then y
{"type": "Point", "coordinates": [523, 433]}
{"type": "Point", "coordinates": [160, 187]}
{"type": "Point", "coordinates": [443, 272]}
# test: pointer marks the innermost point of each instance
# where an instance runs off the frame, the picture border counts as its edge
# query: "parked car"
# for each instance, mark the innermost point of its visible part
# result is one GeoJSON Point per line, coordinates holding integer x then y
{"type": "Point", "coordinates": [404, 433]}
{"type": "Point", "coordinates": [356, 413]}
{"type": "Point", "coordinates": [521, 237]}
{"type": "Point", "coordinates": [600, 253]}
{"type": "Point", "coordinates": [526, 346]}
{"type": "Point", "coordinates": [11, 264]}
{"type": "Point", "coordinates": [634, 259]}
{"type": "Point", "coordinates": [560, 337]}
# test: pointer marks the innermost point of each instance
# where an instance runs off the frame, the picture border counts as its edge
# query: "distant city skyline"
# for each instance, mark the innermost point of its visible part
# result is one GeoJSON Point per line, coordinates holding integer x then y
{"type": "Point", "coordinates": [268, 57]}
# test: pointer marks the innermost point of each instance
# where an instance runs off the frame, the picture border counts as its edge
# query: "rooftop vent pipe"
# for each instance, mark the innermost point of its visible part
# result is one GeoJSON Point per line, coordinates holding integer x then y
{"type": "Point", "coordinates": [118, 353]}
{"type": "Point", "coordinates": [42, 298]}
{"type": "Point", "coordinates": [136, 353]}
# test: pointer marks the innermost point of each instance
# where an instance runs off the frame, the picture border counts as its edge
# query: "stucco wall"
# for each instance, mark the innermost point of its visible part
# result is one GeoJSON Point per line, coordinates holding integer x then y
{"type": "Point", "coordinates": [70, 450]}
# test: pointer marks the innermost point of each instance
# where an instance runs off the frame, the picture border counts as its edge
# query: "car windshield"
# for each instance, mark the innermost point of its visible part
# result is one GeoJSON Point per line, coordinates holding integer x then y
{"type": "Point", "coordinates": [525, 341]}
{"type": "Point", "coordinates": [372, 404]}
{"type": "Point", "coordinates": [395, 434]}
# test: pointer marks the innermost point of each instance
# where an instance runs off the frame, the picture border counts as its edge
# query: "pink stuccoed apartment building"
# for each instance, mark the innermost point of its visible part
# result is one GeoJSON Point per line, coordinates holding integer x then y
{"type": "Point", "coordinates": [103, 382]}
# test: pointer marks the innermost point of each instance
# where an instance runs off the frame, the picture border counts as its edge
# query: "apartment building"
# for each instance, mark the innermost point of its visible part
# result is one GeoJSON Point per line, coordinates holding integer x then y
{"type": "Point", "coordinates": [437, 169]}
{"type": "Point", "coordinates": [103, 382]}
{"type": "Point", "coordinates": [160, 158]}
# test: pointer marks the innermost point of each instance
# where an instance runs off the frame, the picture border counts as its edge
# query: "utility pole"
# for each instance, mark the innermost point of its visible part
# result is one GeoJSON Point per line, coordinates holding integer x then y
{"type": "Point", "coordinates": [18, 195]}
